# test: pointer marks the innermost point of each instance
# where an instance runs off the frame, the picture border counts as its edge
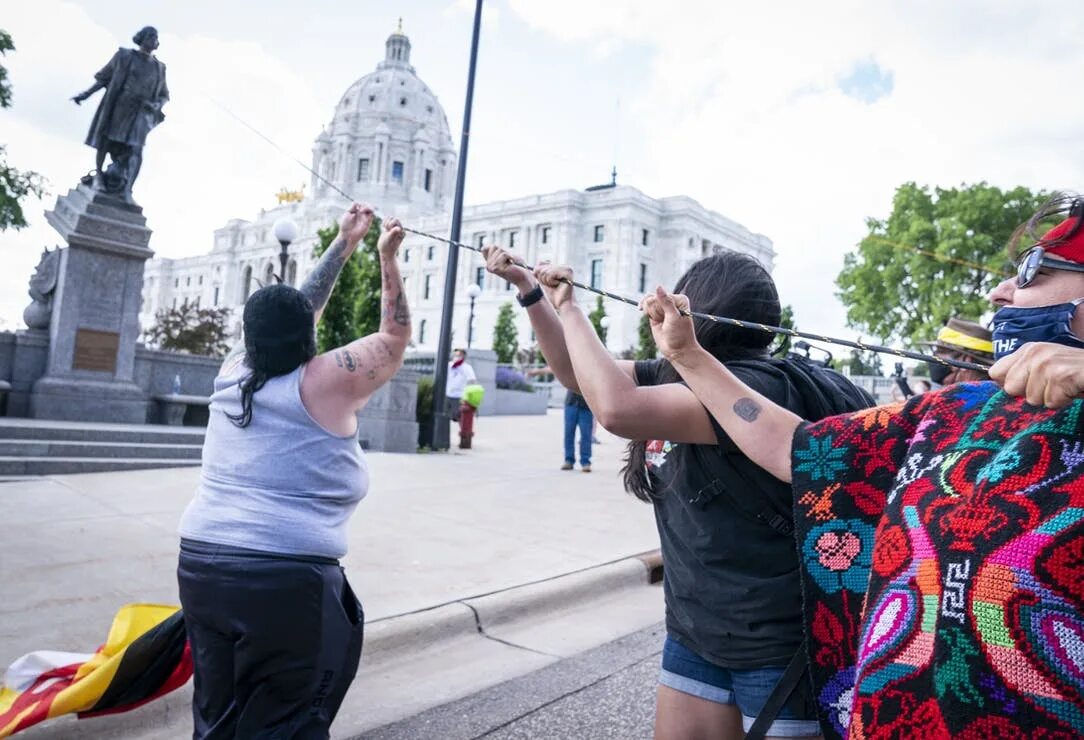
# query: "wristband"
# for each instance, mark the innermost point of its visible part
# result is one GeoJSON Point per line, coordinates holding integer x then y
{"type": "Point", "coordinates": [531, 298]}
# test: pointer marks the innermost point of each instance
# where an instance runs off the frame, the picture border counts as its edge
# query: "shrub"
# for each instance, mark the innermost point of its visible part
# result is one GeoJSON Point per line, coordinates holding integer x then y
{"type": "Point", "coordinates": [511, 379]}
{"type": "Point", "coordinates": [424, 408]}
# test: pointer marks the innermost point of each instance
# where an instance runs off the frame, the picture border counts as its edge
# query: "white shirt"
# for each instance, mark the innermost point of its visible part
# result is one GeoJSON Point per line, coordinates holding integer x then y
{"type": "Point", "coordinates": [458, 378]}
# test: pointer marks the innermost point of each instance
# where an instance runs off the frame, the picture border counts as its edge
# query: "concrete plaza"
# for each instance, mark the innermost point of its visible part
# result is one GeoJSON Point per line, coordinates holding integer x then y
{"type": "Point", "coordinates": [445, 546]}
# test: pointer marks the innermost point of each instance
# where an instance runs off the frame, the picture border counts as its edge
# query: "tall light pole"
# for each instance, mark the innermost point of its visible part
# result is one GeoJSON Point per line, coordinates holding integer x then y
{"type": "Point", "coordinates": [285, 230]}
{"type": "Point", "coordinates": [473, 291]}
{"type": "Point", "coordinates": [440, 440]}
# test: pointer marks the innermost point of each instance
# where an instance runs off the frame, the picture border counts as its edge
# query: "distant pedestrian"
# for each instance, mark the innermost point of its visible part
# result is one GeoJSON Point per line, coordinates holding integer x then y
{"type": "Point", "coordinates": [460, 375]}
{"type": "Point", "coordinates": [577, 416]}
{"type": "Point", "coordinates": [965, 340]}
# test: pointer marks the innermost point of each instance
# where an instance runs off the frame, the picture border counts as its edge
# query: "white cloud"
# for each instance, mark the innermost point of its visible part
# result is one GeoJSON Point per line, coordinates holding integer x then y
{"type": "Point", "coordinates": [743, 112]}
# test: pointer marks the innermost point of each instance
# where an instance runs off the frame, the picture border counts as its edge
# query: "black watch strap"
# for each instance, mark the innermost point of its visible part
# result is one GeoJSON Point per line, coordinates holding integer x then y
{"type": "Point", "coordinates": [531, 298]}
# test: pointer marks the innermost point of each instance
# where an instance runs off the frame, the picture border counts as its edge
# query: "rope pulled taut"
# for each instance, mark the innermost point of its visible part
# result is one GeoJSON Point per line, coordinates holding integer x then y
{"type": "Point", "coordinates": [625, 299]}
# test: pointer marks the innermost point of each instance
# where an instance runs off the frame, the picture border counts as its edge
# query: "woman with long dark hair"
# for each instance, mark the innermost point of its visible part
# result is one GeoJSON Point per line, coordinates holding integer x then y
{"type": "Point", "coordinates": [273, 625]}
{"type": "Point", "coordinates": [733, 609]}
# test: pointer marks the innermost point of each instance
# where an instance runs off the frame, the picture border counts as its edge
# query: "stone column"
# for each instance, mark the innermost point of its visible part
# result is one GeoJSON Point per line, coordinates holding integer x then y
{"type": "Point", "coordinates": [95, 320]}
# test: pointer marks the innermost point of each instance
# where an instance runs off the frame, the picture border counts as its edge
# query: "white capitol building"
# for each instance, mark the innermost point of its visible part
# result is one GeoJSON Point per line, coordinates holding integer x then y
{"type": "Point", "coordinates": [389, 144]}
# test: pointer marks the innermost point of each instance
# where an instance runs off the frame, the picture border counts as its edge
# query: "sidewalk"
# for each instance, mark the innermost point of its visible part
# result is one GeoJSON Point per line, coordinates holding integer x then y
{"type": "Point", "coordinates": [435, 532]}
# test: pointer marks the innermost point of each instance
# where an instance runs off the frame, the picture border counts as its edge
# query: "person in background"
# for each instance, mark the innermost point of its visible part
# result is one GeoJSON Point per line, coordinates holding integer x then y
{"type": "Point", "coordinates": [577, 416]}
{"type": "Point", "coordinates": [964, 340]}
{"type": "Point", "coordinates": [273, 625]}
{"type": "Point", "coordinates": [460, 375]}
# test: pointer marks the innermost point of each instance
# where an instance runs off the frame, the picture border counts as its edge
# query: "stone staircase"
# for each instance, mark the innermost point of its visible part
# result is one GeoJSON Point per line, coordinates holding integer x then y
{"type": "Point", "coordinates": [30, 447]}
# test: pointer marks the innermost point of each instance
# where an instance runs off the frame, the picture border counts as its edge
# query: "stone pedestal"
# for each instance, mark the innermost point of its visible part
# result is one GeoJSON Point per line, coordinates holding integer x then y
{"type": "Point", "coordinates": [95, 317]}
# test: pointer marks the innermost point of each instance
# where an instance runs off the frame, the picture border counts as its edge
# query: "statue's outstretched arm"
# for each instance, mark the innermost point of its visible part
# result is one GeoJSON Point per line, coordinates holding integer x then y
{"type": "Point", "coordinates": [101, 80]}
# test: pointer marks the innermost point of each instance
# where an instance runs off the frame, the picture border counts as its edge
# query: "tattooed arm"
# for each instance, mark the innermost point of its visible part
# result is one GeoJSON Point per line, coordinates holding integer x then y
{"type": "Point", "coordinates": [352, 229]}
{"type": "Point", "coordinates": [351, 374]}
{"type": "Point", "coordinates": [762, 429]}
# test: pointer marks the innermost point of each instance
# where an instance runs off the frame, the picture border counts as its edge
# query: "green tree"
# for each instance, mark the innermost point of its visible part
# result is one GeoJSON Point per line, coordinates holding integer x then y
{"type": "Point", "coordinates": [14, 184]}
{"type": "Point", "coordinates": [937, 255]}
{"type": "Point", "coordinates": [367, 304]}
{"type": "Point", "coordinates": [596, 317]}
{"type": "Point", "coordinates": [783, 342]}
{"type": "Point", "coordinates": [505, 340]}
{"type": "Point", "coordinates": [647, 349]}
{"type": "Point", "coordinates": [353, 308]}
{"type": "Point", "coordinates": [199, 331]}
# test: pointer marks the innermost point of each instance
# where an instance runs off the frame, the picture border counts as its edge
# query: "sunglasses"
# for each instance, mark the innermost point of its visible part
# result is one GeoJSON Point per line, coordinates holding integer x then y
{"type": "Point", "coordinates": [1034, 259]}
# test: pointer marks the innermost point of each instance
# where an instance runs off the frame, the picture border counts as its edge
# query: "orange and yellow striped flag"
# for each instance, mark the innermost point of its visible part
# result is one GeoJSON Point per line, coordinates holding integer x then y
{"type": "Point", "coordinates": [146, 655]}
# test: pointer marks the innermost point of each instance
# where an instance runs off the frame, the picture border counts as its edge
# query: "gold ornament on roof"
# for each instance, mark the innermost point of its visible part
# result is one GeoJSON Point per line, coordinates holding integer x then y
{"type": "Point", "coordinates": [399, 30]}
{"type": "Point", "coordinates": [290, 196]}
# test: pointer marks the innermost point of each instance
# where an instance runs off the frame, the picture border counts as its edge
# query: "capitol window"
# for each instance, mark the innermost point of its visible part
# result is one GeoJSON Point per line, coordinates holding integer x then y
{"type": "Point", "coordinates": [402, 101]}
{"type": "Point", "coordinates": [512, 239]}
{"type": "Point", "coordinates": [406, 256]}
{"type": "Point", "coordinates": [596, 272]}
{"type": "Point", "coordinates": [397, 172]}
{"type": "Point", "coordinates": [363, 169]}
{"type": "Point", "coordinates": [643, 237]}
{"type": "Point", "coordinates": [428, 180]}
{"type": "Point", "coordinates": [426, 287]}
{"type": "Point", "coordinates": [430, 252]}
{"type": "Point", "coordinates": [545, 234]}
{"type": "Point", "coordinates": [600, 232]}
{"type": "Point", "coordinates": [643, 278]}
{"type": "Point", "coordinates": [421, 332]}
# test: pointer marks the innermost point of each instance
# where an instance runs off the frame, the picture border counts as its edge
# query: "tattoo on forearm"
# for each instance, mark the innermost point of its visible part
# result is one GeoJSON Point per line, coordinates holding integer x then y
{"type": "Point", "coordinates": [747, 409]}
{"type": "Point", "coordinates": [320, 282]}
{"type": "Point", "coordinates": [402, 310]}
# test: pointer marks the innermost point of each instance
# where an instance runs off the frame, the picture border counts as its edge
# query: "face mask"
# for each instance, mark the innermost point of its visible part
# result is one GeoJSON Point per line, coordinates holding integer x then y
{"type": "Point", "coordinates": [1015, 327]}
{"type": "Point", "coordinates": [939, 372]}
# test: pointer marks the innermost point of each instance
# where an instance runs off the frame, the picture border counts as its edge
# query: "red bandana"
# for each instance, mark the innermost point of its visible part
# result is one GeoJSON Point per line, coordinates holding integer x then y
{"type": "Point", "coordinates": [1071, 249]}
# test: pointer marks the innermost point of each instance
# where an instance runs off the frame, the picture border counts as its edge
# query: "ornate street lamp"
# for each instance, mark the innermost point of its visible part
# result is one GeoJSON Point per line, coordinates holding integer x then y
{"type": "Point", "coordinates": [473, 291]}
{"type": "Point", "coordinates": [285, 230]}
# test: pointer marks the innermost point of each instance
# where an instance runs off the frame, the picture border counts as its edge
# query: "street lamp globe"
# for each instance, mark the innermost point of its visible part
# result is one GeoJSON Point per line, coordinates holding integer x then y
{"type": "Point", "coordinates": [285, 230]}
{"type": "Point", "coordinates": [473, 291]}
{"type": "Point", "coordinates": [604, 322]}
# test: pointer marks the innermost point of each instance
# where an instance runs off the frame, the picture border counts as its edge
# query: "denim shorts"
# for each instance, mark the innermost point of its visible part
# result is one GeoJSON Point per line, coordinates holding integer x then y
{"type": "Point", "coordinates": [748, 689]}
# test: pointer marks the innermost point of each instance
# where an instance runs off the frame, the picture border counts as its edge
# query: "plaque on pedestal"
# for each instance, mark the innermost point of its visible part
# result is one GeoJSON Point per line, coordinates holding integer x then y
{"type": "Point", "coordinates": [94, 325]}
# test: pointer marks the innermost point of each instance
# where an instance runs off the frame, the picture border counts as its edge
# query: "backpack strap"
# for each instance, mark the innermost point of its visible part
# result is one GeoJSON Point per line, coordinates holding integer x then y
{"type": "Point", "coordinates": [788, 682]}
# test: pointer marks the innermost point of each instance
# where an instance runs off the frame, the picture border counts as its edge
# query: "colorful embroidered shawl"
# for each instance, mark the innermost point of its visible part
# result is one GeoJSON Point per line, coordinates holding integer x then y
{"type": "Point", "coordinates": [942, 545]}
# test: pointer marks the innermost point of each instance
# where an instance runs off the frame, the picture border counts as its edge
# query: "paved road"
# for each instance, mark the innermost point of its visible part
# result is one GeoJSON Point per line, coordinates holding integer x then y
{"type": "Point", "coordinates": [607, 692]}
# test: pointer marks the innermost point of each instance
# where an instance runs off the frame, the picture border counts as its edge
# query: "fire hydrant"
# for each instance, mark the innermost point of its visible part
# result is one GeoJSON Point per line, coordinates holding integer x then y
{"type": "Point", "coordinates": [468, 407]}
{"type": "Point", "coordinates": [466, 424]}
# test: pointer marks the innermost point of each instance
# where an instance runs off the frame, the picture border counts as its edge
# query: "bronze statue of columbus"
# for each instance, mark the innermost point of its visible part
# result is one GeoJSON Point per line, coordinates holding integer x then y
{"type": "Point", "coordinates": [135, 91]}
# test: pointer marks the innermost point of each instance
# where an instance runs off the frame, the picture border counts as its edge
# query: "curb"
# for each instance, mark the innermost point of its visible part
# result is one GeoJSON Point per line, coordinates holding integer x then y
{"type": "Point", "coordinates": [472, 615]}
{"type": "Point", "coordinates": [398, 638]}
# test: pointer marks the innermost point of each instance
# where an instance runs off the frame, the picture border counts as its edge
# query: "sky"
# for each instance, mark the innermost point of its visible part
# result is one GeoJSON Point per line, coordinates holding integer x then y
{"type": "Point", "coordinates": [798, 120]}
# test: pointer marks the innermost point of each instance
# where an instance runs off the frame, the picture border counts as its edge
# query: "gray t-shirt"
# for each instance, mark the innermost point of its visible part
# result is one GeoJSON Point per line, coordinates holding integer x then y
{"type": "Point", "coordinates": [283, 484]}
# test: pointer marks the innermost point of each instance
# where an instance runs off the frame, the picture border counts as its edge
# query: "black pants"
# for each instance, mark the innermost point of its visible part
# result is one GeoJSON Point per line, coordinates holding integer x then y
{"type": "Point", "coordinates": [276, 642]}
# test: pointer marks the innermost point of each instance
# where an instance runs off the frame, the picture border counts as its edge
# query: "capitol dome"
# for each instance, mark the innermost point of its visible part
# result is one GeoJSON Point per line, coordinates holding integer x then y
{"type": "Point", "coordinates": [388, 141]}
